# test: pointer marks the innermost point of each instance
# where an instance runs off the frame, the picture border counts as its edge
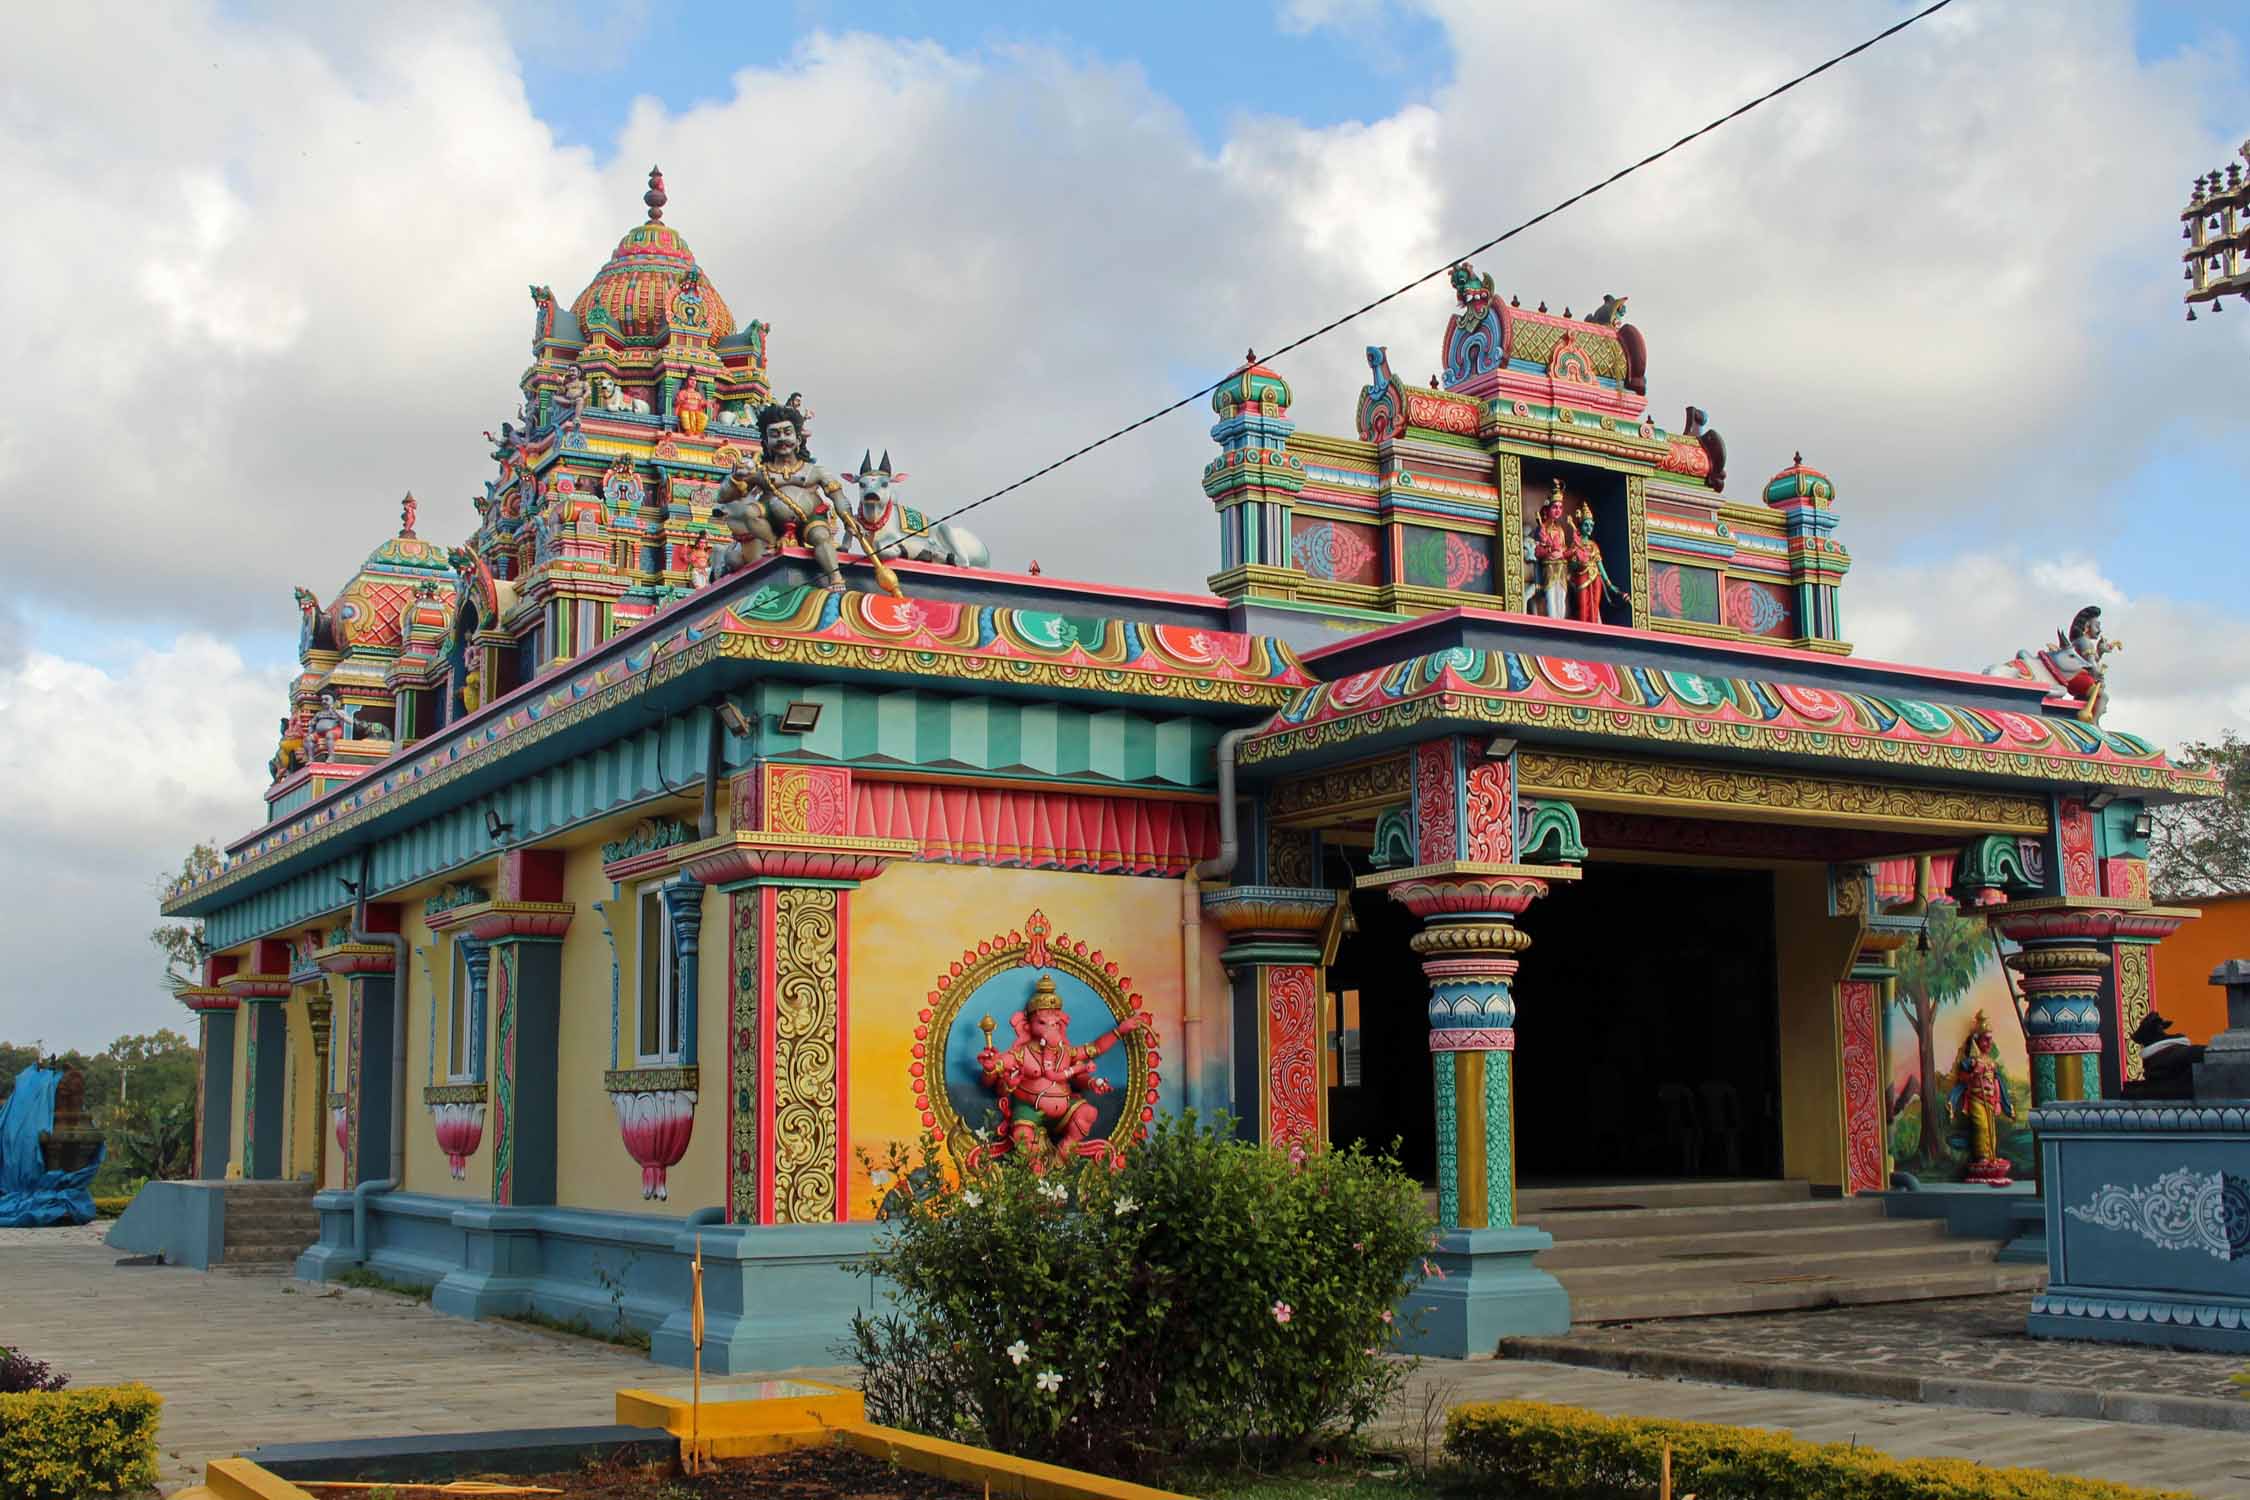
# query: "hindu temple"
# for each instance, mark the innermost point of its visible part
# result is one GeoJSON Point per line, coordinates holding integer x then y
{"type": "Point", "coordinates": [641, 866]}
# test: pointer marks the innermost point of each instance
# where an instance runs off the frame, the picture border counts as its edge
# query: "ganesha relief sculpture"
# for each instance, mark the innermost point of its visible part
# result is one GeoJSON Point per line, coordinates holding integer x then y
{"type": "Point", "coordinates": [1043, 1081]}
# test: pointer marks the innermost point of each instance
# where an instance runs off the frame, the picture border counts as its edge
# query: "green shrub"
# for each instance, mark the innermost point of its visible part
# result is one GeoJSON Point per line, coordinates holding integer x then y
{"type": "Point", "coordinates": [1531, 1449]}
{"type": "Point", "coordinates": [110, 1208]}
{"type": "Point", "coordinates": [99, 1440]}
{"type": "Point", "coordinates": [1207, 1294]}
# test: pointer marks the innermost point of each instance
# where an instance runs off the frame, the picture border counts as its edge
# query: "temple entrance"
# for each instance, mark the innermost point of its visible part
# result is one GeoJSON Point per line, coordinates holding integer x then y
{"type": "Point", "coordinates": [1647, 1029]}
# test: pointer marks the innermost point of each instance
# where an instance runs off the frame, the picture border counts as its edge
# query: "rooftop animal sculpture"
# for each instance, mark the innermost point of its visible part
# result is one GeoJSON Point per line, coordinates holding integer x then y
{"type": "Point", "coordinates": [898, 531]}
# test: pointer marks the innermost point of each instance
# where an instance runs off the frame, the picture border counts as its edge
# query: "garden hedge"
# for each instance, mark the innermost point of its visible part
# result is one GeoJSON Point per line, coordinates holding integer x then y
{"type": "Point", "coordinates": [58, 1445]}
{"type": "Point", "coordinates": [1543, 1452]}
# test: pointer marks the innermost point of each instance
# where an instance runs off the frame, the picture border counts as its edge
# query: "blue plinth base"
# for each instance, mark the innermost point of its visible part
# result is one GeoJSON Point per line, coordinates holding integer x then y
{"type": "Point", "coordinates": [2027, 1238]}
{"type": "Point", "coordinates": [775, 1297]}
{"type": "Point", "coordinates": [1489, 1291]}
{"type": "Point", "coordinates": [2148, 1223]}
{"type": "Point", "coordinates": [184, 1222]}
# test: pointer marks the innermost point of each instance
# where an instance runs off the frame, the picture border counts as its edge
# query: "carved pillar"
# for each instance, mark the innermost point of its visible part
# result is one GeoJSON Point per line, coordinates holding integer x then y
{"type": "Point", "coordinates": [2069, 963]}
{"type": "Point", "coordinates": [1276, 942]}
{"type": "Point", "coordinates": [215, 1011]}
{"type": "Point", "coordinates": [1469, 946]}
{"type": "Point", "coordinates": [370, 990]}
{"type": "Point", "coordinates": [262, 987]}
{"type": "Point", "coordinates": [787, 870]}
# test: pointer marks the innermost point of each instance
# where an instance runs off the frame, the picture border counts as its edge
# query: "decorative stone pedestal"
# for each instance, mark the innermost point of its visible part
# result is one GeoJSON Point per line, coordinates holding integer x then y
{"type": "Point", "coordinates": [1490, 1290]}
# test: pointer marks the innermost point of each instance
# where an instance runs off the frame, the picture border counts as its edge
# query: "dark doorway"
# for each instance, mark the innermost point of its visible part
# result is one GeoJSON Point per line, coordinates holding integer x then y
{"type": "Point", "coordinates": [1382, 1091]}
{"type": "Point", "coordinates": [1647, 1027]}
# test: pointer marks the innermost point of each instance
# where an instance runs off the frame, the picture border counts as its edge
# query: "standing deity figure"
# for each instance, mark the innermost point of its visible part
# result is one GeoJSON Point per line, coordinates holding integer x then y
{"type": "Point", "coordinates": [570, 402]}
{"type": "Point", "coordinates": [699, 563]}
{"type": "Point", "coordinates": [1978, 1101]}
{"type": "Point", "coordinates": [692, 410]}
{"type": "Point", "coordinates": [2072, 665]}
{"type": "Point", "coordinates": [330, 723]}
{"type": "Point", "coordinates": [1043, 1080]}
{"type": "Point", "coordinates": [1589, 581]}
{"type": "Point", "coordinates": [1550, 549]}
{"type": "Point", "coordinates": [781, 488]}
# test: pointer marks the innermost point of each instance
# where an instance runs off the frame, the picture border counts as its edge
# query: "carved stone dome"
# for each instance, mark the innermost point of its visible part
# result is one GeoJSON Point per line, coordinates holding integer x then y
{"type": "Point", "coordinates": [369, 610]}
{"type": "Point", "coordinates": [634, 290]}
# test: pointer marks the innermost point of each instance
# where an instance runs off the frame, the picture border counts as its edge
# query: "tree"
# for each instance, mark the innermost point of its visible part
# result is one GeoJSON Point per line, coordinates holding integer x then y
{"type": "Point", "coordinates": [181, 943]}
{"type": "Point", "coordinates": [1929, 980]}
{"type": "Point", "coordinates": [2201, 847]}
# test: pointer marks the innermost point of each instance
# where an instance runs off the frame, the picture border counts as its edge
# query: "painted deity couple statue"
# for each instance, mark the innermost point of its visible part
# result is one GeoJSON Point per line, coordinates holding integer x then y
{"type": "Point", "coordinates": [783, 490]}
{"type": "Point", "coordinates": [1044, 1083]}
{"type": "Point", "coordinates": [1572, 580]}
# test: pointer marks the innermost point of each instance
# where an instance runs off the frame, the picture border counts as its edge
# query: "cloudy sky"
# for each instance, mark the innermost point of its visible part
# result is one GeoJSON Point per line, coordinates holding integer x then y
{"type": "Point", "coordinates": [265, 271]}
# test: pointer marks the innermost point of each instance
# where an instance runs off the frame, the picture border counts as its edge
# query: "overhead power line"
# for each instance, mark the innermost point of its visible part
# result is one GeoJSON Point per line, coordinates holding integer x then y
{"type": "Point", "coordinates": [1434, 273]}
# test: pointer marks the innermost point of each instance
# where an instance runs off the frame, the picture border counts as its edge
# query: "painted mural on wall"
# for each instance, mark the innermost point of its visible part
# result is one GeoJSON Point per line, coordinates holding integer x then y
{"type": "Point", "coordinates": [1079, 977]}
{"type": "Point", "coordinates": [1959, 1095]}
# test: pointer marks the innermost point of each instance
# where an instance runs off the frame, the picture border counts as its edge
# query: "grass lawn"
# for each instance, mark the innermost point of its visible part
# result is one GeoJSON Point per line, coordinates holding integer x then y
{"type": "Point", "coordinates": [1332, 1481]}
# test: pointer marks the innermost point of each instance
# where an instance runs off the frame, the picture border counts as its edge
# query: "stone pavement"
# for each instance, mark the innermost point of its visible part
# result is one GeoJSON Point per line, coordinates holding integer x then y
{"type": "Point", "coordinates": [249, 1359]}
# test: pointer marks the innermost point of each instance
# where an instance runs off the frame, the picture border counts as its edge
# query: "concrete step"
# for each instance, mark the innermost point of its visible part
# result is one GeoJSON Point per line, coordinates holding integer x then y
{"type": "Point", "coordinates": [268, 1242]}
{"type": "Point", "coordinates": [1809, 1241]}
{"type": "Point", "coordinates": [1811, 1291]}
{"type": "Point", "coordinates": [261, 1216]}
{"type": "Point", "coordinates": [1686, 1193]}
{"type": "Point", "coordinates": [1603, 1224]}
{"type": "Point", "coordinates": [1762, 1270]}
{"type": "Point", "coordinates": [277, 1187]}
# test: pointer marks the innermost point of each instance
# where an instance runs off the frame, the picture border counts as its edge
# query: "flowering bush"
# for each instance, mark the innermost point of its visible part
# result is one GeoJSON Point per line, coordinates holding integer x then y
{"type": "Point", "coordinates": [1207, 1293]}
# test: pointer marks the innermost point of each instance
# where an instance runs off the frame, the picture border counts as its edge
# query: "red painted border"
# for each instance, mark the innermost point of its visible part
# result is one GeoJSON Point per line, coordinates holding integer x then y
{"type": "Point", "coordinates": [843, 1055]}
{"type": "Point", "coordinates": [768, 909]}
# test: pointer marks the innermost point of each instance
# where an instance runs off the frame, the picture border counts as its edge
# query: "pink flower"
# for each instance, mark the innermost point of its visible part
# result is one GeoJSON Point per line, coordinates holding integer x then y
{"type": "Point", "coordinates": [1386, 1315]}
{"type": "Point", "coordinates": [1360, 1245]}
{"type": "Point", "coordinates": [1432, 1270]}
{"type": "Point", "coordinates": [1296, 1155]}
{"type": "Point", "coordinates": [1281, 1312]}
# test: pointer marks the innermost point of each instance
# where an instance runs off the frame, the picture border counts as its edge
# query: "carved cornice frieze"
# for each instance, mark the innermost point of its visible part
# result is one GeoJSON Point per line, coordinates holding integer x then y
{"type": "Point", "coordinates": [750, 855]}
{"type": "Point", "coordinates": [496, 920]}
{"type": "Point", "coordinates": [349, 958]}
{"type": "Point", "coordinates": [1769, 796]}
{"type": "Point", "coordinates": [256, 986]}
{"type": "Point", "coordinates": [1362, 787]}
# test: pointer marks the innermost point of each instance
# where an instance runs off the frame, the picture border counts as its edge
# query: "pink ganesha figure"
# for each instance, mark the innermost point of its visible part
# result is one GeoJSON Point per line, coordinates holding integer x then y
{"type": "Point", "coordinates": [1042, 1079]}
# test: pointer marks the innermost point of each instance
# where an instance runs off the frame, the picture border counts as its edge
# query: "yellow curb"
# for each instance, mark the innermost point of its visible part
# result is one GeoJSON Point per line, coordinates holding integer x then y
{"type": "Point", "coordinates": [1010, 1478]}
{"type": "Point", "coordinates": [760, 1408]}
{"type": "Point", "coordinates": [240, 1479]}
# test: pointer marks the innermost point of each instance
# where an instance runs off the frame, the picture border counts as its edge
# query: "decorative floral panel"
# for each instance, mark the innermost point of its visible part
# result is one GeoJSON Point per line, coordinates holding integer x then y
{"type": "Point", "coordinates": [1677, 591]}
{"type": "Point", "coordinates": [1759, 608]}
{"type": "Point", "coordinates": [1447, 560]}
{"type": "Point", "coordinates": [1337, 550]}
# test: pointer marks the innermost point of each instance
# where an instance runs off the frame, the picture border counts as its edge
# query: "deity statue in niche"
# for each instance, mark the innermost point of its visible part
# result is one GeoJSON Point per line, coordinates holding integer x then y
{"type": "Point", "coordinates": [691, 409]}
{"type": "Point", "coordinates": [1589, 581]}
{"type": "Point", "coordinates": [1550, 552]}
{"type": "Point", "coordinates": [1043, 1080]}
{"type": "Point", "coordinates": [1978, 1101]}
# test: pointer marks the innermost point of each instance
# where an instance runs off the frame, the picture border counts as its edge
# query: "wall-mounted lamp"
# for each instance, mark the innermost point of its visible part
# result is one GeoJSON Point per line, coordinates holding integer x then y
{"type": "Point", "coordinates": [494, 829]}
{"type": "Point", "coordinates": [1499, 748]}
{"type": "Point", "coordinates": [2144, 823]}
{"type": "Point", "coordinates": [800, 718]}
{"type": "Point", "coordinates": [2101, 799]}
{"type": "Point", "coordinates": [737, 723]}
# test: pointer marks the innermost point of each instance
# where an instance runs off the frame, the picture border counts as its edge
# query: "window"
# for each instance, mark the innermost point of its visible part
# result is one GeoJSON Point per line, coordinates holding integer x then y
{"type": "Point", "coordinates": [1343, 1040]}
{"type": "Point", "coordinates": [660, 981]}
{"type": "Point", "coordinates": [459, 1062]}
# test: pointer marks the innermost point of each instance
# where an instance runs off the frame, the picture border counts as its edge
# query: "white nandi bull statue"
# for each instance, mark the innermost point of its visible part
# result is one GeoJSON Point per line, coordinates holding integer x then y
{"type": "Point", "coordinates": [610, 396]}
{"type": "Point", "coordinates": [2072, 666]}
{"type": "Point", "coordinates": [897, 531]}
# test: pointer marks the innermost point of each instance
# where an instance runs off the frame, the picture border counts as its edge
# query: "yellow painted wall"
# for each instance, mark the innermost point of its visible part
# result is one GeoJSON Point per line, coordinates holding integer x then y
{"type": "Point", "coordinates": [306, 1090]}
{"type": "Point", "coordinates": [593, 1168]}
{"type": "Point", "coordinates": [428, 995]}
{"type": "Point", "coordinates": [1812, 952]}
{"type": "Point", "coordinates": [239, 1093]}
{"type": "Point", "coordinates": [912, 922]}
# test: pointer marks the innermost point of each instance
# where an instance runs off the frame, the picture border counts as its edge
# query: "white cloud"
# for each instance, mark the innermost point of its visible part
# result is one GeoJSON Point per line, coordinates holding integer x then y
{"type": "Point", "coordinates": [111, 776]}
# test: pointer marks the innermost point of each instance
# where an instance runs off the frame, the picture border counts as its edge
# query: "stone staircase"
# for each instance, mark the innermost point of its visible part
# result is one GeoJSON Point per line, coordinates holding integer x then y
{"type": "Point", "coordinates": [267, 1225]}
{"type": "Point", "coordinates": [1697, 1248]}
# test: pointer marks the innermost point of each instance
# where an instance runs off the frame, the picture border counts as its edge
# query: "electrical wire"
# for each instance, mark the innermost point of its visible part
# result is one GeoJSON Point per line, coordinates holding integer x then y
{"type": "Point", "coordinates": [1428, 276]}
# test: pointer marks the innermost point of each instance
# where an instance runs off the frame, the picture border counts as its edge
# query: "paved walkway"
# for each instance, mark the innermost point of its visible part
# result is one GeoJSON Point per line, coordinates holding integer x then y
{"type": "Point", "coordinates": [243, 1360]}
{"type": "Point", "coordinates": [1979, 1338]}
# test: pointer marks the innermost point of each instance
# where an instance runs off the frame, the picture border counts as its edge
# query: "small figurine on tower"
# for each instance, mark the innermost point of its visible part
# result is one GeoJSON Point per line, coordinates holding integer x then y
{"type": "Point", "coordinates": [1589, 581]}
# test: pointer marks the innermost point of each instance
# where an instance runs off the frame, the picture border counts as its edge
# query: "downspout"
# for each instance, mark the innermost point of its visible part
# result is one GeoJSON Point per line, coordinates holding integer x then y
{"type": "Point", "coordinates": [714, 758]}
{"type": "Point", "coordinates": [396, 942]}
{"type": "Point", "coordinates": [1218, 867]}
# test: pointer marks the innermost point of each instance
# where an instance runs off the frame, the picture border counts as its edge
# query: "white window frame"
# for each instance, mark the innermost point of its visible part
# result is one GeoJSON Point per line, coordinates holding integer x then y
{"type": "Point", "coordinates": [666, 974]}
{"type": "Point", "coordinates": [460, 1016]}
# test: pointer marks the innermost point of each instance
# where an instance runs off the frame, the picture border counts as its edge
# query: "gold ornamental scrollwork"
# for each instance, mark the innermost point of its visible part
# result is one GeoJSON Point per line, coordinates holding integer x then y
{"type": "Point", "coordinates": [1687, 788]}
{"type": "Point", "coordinates": [2132, 1002]}
{"type": "Point", "coordinates": [1636, 543]}
{"type": "Point", "coordinates": [1359, 787]}
{"type": "Point", "coordinates": [805, 1056]}
{"type": "Point", "coordinates": [1510, 542]}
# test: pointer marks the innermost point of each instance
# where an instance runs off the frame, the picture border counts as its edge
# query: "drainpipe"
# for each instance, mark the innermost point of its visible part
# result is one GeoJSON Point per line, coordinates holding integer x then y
{"type": "Point", "coordinates": [1218, 867]}
{"type": "Point", "coordinates": [714, 758]}
{"type": "Point", "coordinates": [361, 1192]}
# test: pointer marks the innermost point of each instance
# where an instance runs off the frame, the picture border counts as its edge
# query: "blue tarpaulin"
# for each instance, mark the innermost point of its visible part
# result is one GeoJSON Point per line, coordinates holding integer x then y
{"type": "Point", "coordinates": [31, 1197]}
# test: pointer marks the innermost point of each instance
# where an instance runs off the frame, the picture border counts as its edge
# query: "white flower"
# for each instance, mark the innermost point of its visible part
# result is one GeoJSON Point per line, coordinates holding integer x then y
{"type": "Point", "coordinates": [972, 1198]}
{"type": "Point", "coordinates": [1124, 1206]}
{"type": "Point", "coordinates": [1019, 1351]}
{"type": "Point", "coordinates": [1054, 1192]}
{"type": "Point", "coordinates": [1049, 1381]}
{"type": "Point", "coordinates": [879, 1177]}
